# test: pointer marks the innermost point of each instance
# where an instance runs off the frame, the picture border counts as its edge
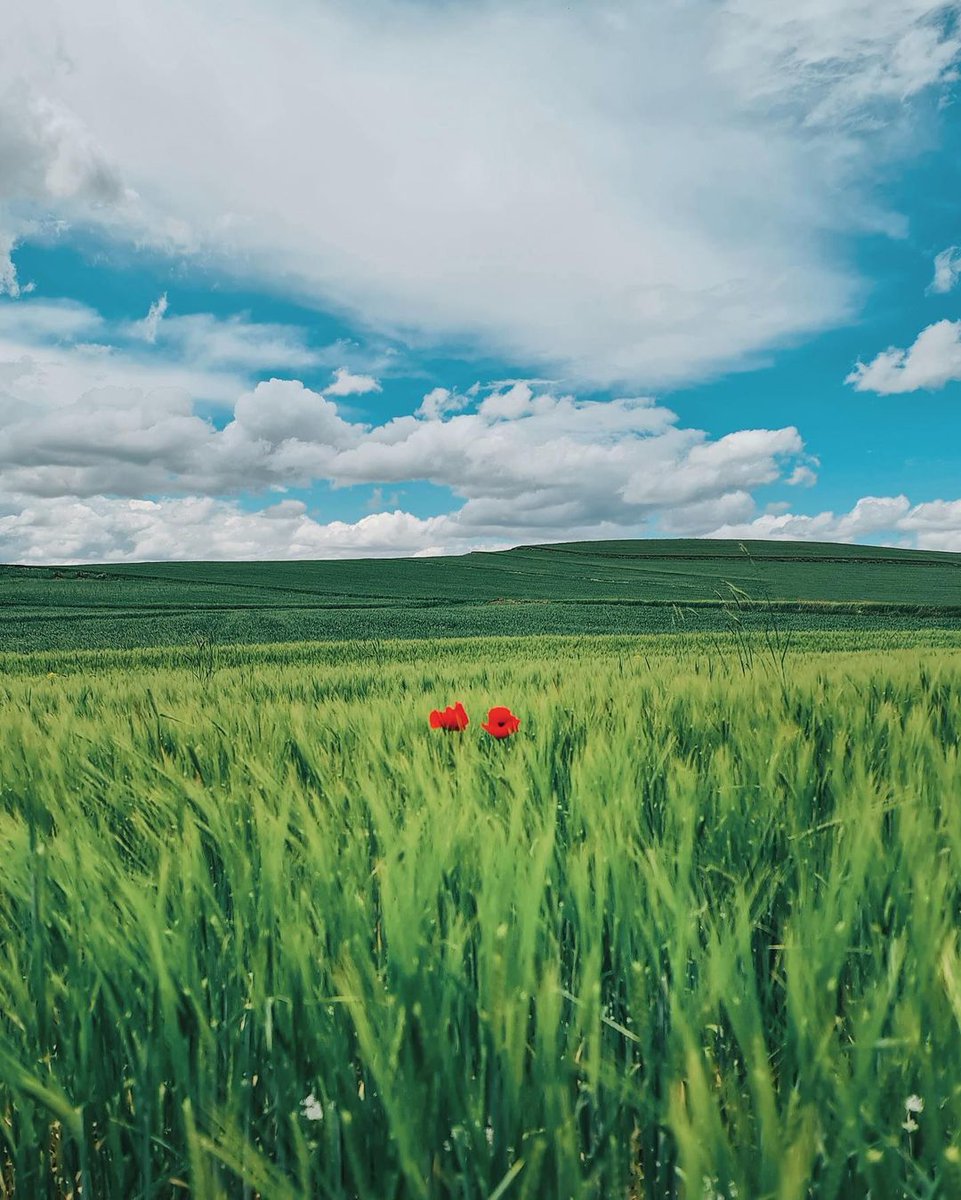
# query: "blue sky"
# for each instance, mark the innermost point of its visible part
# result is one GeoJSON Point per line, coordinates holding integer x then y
{"type": "Point", "coordinates": [416, 279]}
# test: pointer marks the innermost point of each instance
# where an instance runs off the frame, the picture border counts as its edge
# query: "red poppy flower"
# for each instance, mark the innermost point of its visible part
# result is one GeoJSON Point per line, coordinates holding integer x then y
{"type": "Point", "coordinates": [451, 718]}
{"type": "Point", "coordinates": [501, 723]}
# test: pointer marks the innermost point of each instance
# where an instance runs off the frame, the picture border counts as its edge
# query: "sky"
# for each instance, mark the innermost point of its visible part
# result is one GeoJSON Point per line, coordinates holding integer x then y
{"type": "Point", "coordinates": [312, 279]}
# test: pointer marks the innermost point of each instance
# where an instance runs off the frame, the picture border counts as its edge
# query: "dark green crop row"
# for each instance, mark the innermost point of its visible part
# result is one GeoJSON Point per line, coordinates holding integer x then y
{"type": "Point", "coordinates": [617, 587]}
{"type": "Point", "coordinates": [263, 624]}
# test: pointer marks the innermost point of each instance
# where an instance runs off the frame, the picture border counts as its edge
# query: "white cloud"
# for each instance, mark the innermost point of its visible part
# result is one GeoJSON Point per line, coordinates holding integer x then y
{"type": "Point", "coordinates": [48, 160]}
{"type": "Point", "coordinates": [439, 401]}
{"type": "Point", "coordinates": [746, 459]}
{"type": "Point", "coordinates": [283, 410]}
{"type": "Point", "coordinates": [935, 525]}
{"type": "Point", "coordinates": [147, 328]}
{"type": "Point", "coordinates": [48, 153]}
{"type": "Point", "coordinates": [691, 520]}
{"type": "Point", "coordinates": [71, 348]}
{"type": "Point", "coordinates": [640, 192]}
{"type": "Point", "coordinates": [101, 529]}
{"type": "Point", "coordinates": [872, 515]}
{"type": "Point", "coordinates": [842, 63]}
{"type": "Point", "coordinates": [66, 350]}
{"type": "Point", "coordinates": [347, 384]}
{"type": "Point", "coordinates": [890, 520]}
{"type": "Point", "coordinates": [515, 402]}
{"type": "Point", "coordinates": [238, 343]}
{"type": "Point", "coordinates": [802, 476]}
{"type": "Point", "coordinates": [933, 361]}
{"type": "Point", "coordinates": [524, 463]}
{"type": "Point", "coordinates": [79, 471]}
{"type": "Point", "coordinates": [38, 323]}
{"type": "Point", "coordinates": [947, 269]}
{"type": "Point", "coordinates": [67, 529]}
{"type": "Point", "coordinates": [9, 284]}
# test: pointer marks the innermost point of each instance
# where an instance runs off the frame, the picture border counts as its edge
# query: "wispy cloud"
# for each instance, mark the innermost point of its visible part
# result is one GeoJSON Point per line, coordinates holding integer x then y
{"type": "Point", "coordinates": [147, 328]}
{"type": "Point", "coordinates": [9, 284]}
{"type": "Point", "coordinates": [947, 269]}
{"type": "Point", "coordinates": [213, 358]}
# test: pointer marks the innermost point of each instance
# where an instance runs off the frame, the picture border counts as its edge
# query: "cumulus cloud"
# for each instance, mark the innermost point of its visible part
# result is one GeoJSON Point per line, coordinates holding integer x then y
{"type": "Point", "coordinates": [935, 525]}
{"type": "Point", "coordinates": [347, 384]}
{"type": "Point", "coordinates": [66, 529]}
{"type": "Point", "coordinates": [890, 520]}
{"type": "Point", "coordinates": [870, 516]}
{"type": "Point", "coordinates": [524, 463]}
{"type": "Point", "coordinates": [742, 460]}
{"type": "Point", "coordinates": [102, 529]}
{"type": "Point", "coordinates": [441, 400]}
{"type": "Point", "coordinates": [423, 166]}
{"type": "Point", "coordinates": [81, 471]}
{"type": "Point", "coordinates": [947, 268]}
{"type": "Point", "coordinates": [932, 361]}
{"type": "Point", "coordinates": [691, 520]}
{"type": "Point", "coordinates": [283, 411]}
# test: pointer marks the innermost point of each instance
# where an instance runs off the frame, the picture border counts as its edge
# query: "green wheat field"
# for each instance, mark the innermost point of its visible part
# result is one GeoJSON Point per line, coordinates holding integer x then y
{"type": "Point", "coordinates": [693, 932]}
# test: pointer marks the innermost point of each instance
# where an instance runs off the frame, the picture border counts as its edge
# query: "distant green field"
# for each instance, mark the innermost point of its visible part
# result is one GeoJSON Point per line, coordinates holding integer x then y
{"type": "Point", "coordinates": [576, 588]}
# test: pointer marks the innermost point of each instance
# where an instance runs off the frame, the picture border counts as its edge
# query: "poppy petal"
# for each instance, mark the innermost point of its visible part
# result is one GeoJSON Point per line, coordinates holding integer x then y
{"type": "Point", "coordinates": [501, 722]}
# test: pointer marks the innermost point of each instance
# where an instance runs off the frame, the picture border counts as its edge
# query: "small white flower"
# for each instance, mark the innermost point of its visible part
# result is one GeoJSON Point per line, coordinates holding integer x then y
{"type": "Point", "coordinates": [914, 1104]}
{"type": "Point", "coordinates": [910, 1125]}
{"type": "Point", "coordinates": [312, 1108]}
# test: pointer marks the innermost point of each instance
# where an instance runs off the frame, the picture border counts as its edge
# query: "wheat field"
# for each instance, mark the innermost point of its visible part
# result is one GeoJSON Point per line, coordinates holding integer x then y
{"type": "Point", "coordinates": [691, 932]}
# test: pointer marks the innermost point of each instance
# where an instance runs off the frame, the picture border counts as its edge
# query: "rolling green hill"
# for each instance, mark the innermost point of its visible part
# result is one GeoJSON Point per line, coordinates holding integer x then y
{"type": "Point", "coordinates": [576, 587]}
